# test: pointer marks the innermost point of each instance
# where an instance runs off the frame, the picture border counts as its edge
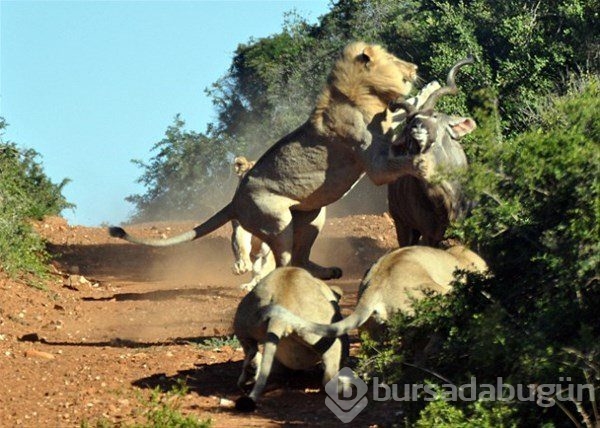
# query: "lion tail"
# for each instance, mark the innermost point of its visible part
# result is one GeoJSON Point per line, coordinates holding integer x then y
{"type": "Point", "coordinates": [355, 320]}
{"type": "Point", "coordinates": [210, 225]}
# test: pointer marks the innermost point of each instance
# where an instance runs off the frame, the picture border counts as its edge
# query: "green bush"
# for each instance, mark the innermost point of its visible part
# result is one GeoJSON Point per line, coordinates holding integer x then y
{"type": "Point", "coordinates": [442, 414]}
{"type": "Point", "coordinates": [537, 222]}
{"type": "Point", "coordinates": [185, 162]}
{"type": "Point", "coordinates": [26, 194]}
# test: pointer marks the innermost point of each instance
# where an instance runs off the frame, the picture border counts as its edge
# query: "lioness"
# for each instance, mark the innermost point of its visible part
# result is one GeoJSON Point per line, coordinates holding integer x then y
{"type": "Point", "coordinates": [251, 254]}
{"type": "Point", "coordinates": [391, 285]}
{"type": "Point", "coordinates": [296, 290]}
{"type": "Point", "coordinates": [280, 199]}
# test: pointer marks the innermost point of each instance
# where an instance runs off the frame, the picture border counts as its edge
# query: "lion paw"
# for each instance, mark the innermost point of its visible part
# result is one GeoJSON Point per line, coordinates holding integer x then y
{"type": "Point", "coordinates": [245, 404]}
{"type": "Point", "coordinates": [248, 286]}
{"type": "Point", "coordinates": [240, 267]}
{"type": "Point", "coordinates": [425, 166]}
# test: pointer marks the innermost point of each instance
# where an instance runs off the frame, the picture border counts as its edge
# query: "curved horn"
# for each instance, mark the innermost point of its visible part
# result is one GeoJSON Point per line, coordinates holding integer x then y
{"type": "Point", "coordinates": [401, 103]}
{"type": "Point", "coordinates": [450, 87]}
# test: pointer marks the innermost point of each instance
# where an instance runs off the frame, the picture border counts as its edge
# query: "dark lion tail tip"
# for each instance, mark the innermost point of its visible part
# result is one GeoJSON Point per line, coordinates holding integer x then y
{"type": "Point", "coordinates": [116, 232]}
{"type": "Point", "coordinates": [245, 404]}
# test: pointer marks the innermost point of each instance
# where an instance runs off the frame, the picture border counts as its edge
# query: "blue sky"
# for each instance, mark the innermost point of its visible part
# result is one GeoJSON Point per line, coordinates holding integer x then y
{"type": "Point", "coordinates": [92, 85]}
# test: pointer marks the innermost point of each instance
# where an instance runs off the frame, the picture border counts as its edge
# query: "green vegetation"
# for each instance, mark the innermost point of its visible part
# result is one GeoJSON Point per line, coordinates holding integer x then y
{"type": "Point", "coordinates": [219, 342]}
{"type": "Point", "coordinates": [524, 51]}
{"type": "Point", "coordinates": [537, 223]}
{"type": "Point", "coordinates": [160, 411]}
{"type": "Point", "coordinates": [26, 194]}
{"type": "Point", "coordinates": [184, 161]}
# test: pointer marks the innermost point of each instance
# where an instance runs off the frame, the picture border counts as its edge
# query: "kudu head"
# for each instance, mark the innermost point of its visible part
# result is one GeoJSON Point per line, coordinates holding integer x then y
{"type": "Point", "coordinates": [425, 126]}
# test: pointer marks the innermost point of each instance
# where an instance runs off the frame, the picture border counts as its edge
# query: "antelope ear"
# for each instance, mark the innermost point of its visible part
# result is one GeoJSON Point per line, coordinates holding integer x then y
{"type": "Point", "coordinates": [461, 126]}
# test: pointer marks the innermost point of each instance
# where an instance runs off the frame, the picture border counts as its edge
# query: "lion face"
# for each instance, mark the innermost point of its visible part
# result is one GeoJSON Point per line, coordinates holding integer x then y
{"type": "Point", "coordinates": [241, 165]}
{"type": "Point", "coordinates": [370, 77]}
{"type": "Point", "coordinates": [388, 76]}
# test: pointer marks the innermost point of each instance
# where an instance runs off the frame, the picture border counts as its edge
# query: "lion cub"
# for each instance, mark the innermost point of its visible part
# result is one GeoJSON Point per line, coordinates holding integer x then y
{"type": "Point", "coordinates": [300, 293]}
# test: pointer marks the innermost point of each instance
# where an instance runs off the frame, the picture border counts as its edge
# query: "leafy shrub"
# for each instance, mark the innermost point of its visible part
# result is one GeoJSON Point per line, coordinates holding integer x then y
{"type": "Point", "coordinates": [26, 193]}
{"type": "Point", "coordinates": [442, 414]}
{"type": "Point", "coordinates": [537, 222]}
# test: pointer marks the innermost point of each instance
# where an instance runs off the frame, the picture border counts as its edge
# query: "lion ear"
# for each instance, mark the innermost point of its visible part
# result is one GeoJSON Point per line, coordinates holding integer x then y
{"type": "Point", "coordinates": [367, 54]}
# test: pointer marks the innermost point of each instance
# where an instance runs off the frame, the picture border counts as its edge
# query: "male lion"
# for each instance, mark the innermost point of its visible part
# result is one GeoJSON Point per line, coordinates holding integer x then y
{"type": "Point", "coordinates": [391, 285]}
{"type": "Point", "coordinates": [280, 199]}
{"type": "Point", "coordinates": [251, 254]}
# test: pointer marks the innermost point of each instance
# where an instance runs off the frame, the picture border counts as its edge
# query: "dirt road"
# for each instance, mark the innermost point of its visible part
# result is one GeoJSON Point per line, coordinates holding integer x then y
{"type": "Point", "coordinates": [117, 321]}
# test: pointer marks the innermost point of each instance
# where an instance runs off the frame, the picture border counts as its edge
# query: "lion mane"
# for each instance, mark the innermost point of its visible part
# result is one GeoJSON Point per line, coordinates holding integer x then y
{"type": "Point", "coordinates": [366, 76]}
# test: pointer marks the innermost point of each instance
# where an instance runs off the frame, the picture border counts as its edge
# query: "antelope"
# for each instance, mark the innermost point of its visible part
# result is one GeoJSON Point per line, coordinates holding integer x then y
{"type": "Point", "coordinates": [419, 205]}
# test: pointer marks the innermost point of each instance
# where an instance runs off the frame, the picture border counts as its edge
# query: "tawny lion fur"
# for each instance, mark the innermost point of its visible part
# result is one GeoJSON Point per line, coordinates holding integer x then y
{"type": "Point", "coordinates": [280, 199]}
{"type": "Point", "coordinates": [251, 254]}
{"type": "Point", "coordinates": [298, 291]}
{"type": "Point", "coordinates": [392, 284]}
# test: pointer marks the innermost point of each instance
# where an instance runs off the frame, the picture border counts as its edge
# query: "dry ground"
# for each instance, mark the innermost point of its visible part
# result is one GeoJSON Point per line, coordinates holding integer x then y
{"type": "Point", "coordinates": [117, 320]}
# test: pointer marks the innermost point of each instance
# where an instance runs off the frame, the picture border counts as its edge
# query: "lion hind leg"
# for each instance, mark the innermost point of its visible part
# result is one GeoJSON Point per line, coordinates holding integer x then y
{"type": "Point", "coordinates": [274, 333]}
{"type": "Point", "coordinates": [307, 225]}
{"type": "Point", "coordinates": [274, 228]}
{"type": "Point", "coordinates": [332, 358]}
{"type": "Point", "coordinates": [263, 264]}
{"type": "Point", "coordinates": [241, 245]}
{"type": "Point", "coordinates": [252, 360]}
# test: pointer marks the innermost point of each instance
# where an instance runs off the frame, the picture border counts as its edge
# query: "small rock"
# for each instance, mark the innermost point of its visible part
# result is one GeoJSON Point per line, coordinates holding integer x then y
{"type": "Point", "coordinates": [32, 353]}
{"type": "Point", "coordinates": [224, 402]}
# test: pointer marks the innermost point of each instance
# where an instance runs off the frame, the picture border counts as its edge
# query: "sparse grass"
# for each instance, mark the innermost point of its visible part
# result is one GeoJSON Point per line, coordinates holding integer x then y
{"type": "Point", "coordinates": [160, 410]}
{"type": "Point", "coordinates": [219, 342]}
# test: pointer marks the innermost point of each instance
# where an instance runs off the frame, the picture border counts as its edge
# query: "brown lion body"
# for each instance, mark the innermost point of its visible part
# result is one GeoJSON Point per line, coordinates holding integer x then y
{"type": "Point", "coordinates": [280, 199]}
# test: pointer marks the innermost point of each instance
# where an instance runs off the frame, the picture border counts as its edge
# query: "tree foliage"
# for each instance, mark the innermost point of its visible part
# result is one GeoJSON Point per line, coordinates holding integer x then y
{"type": "Point", "coordinates": [525, 50]}
{"type": "Point", "coordinates": [185, 163]}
